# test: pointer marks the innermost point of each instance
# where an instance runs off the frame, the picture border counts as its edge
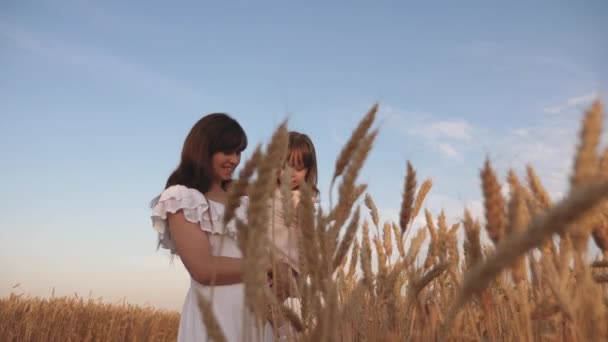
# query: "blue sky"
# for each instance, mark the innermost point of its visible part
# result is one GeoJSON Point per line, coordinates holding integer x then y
{"type": "Point", "coordinates": [97, 97]}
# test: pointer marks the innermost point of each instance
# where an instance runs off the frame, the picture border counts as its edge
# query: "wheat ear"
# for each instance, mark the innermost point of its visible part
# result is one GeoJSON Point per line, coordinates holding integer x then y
{"type": "Point", "coordinates": [238, 188]}
{"type": "Point", "coordinates": [214, 330]}
{"type": "Point", "coordinates": [422, 192]}
{"type": "Point", "coordinates": [255, 258]}
{"type": "Point", "coordinates": [373, 210]}
{"type": "Point", "coordinates": [494, 203]}
{"type": "Point", "coordinates": [472, 244]}
{"type": "Point", "coordinates": [407, 202]}
{"type": "Point", "coordinates": [537, 188]}
{"type": "Point", "coordinates": [347, 240]}
{"type": "Point", "coordinates": [361, 131]}
{"type": "Point", "coordinates": [586, 167]}
{"type": "Point", "coordinates": [556, 220]}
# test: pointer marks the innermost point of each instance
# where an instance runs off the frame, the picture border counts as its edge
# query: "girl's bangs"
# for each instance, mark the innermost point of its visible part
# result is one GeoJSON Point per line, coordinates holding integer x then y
{"type": "Point", "coordinates": [299, 154]}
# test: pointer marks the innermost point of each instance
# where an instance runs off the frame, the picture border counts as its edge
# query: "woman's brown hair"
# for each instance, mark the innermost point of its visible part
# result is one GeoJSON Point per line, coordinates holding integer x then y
{"type": "Point", "coordinates": [215, 132]}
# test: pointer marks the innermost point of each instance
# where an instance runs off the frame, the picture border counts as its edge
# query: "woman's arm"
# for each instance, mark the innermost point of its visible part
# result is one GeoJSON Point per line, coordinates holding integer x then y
{"type": "Point", "coordinates": [193, 247]}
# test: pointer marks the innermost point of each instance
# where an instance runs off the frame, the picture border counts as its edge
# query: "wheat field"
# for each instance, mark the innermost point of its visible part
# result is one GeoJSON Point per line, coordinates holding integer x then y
{"type": "Point", "coordinates": [79, 319]}
{"type": "Point", "coordinates": [365, 279]}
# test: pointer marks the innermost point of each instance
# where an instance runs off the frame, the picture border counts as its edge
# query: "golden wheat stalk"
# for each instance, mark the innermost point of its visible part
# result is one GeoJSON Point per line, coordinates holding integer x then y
{"type": "Point", "coordinates": [283, 310]}
{"type": "Point", "coordinates": [419, 283]}
{"type": "Point", "coordinates": [409, 191]}
{"type": "Point", "coordinates": [346, 240]}
{"type": "Point", "coordinates": [399, 239]}
{"type": "Point", "coordinates": [513, 180]}
{"type": "Point", "coordinates": [214, 331]}
{"type": "Point", "coordinates": [600, 263]}
{"type": "Point", "coordinates": [537, 188]}
{"type": "Point", "coordinates": [358, 134]}
{"type": "Point", "coordinates": [519, 219]}
{"type": "Point", "coordinates": [556, 220]}
{"type": "Point", "coordinates": [254, 255]}
{"type": "Point", "coordinates": [600, 231]}
{"type": "Point", "coordinates": [452, 245]}
{"type": "Point", "coordinates": [238, 188]}
{"type": "Point", "coordinates": [601, 278]}
{"type": "Point", "coordinates": [415, 245]}
{"type": "Point", "coordinates": [494, 203]}
{"type": "Point", "coordinates": [309, 244]}
{"type": "Point", "coordinates": [603, 163]}
{"type": "Point", "coordinates": [422, 192]}
{"type": "Point", "coordinates": [381, 257]}
{"type": "Point", "coordinates": [354, 258]}
{"type": "Point", "coordinates": [586, 167]}
{"type": "Point", "coordinates": [347, 188]}
{"type": "Point", "coordinates": [366, 257]}
{"type": "Point", "coordinates": [600, 236]}
{"type": "Point", "coordinates": [586, 159]}
{"type": "Point", "coordinates": [387, 239]}
{"type": "Point", "coordinates": [286, 199]}
{"type": "Point", "coordinates": [472, 243]}
{"type": "Point", "coordinates": [433, 249]}
{"type": "Point", "coordinates": [373, 211]}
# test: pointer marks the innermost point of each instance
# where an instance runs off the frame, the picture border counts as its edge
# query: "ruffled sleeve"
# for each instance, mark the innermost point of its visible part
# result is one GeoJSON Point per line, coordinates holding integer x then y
{"type": "Point", "coordinates": [195, 207]}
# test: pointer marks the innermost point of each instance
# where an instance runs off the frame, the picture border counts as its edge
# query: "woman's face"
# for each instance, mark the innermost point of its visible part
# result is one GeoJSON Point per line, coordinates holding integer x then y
{"type": "Point", "coordinates": [224, 163]}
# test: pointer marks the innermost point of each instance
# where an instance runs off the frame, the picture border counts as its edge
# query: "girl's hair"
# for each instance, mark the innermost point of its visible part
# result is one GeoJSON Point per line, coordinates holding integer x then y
{"type": "Point", "coordinates": [215, 132]}
{"type": "Point", "coordinates": [301, 153]}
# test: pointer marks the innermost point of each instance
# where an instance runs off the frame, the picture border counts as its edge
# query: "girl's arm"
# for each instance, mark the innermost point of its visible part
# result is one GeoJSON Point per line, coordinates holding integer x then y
{"type": "Point", "coordinates": [193, 247]}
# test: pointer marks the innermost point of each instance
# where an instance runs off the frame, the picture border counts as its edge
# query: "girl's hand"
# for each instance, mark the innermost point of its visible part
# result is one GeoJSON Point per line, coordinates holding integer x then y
{"type": "Point", "coordinates": [281, 281]}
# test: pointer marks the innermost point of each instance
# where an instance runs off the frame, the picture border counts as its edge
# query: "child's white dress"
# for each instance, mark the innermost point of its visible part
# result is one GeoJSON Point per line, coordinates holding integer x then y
{"type": "Point", "coordinates": [284, 239]}
{"type": "Point", "coordinates": [227, 300]}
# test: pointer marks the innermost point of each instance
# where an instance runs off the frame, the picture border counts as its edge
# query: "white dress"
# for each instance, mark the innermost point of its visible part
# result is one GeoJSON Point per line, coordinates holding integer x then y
{"type": "Point", "coordinates": [283, 238]}
{"type": "Point", "coordinates": [227, 300]}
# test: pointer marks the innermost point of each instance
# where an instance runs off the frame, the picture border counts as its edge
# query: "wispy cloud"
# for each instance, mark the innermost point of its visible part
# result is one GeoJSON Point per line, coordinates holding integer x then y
{"type": "Point", "coordinates": [450, 129]}
{"type": "Point", "coordinates": [450, 151]}
{"type": "Point", "coordinates": [435, 202]}
{"type": "Point", "coordinates": [512, 57]}
{"type": "Point", "coordinates": [561, 64]}
{"type": "Point", "coordinates": [548, 145]}
{"type": "Point", "coordinates": [574, 102]}
{"type": "Point", "coordinates": [92, 59]}
{"type": "Point", "coordinates": [522, 132]}
{"type": "Point", "coordinates": [446, 136]}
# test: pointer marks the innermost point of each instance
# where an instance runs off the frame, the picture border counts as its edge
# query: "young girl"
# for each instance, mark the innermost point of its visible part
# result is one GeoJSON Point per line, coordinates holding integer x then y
{"type": "Point", "coordinates": [302, 160]}
{"type": "Point", "coordinates": [188, 218]}
{"type": "Point", "coordinates": [284, 237]}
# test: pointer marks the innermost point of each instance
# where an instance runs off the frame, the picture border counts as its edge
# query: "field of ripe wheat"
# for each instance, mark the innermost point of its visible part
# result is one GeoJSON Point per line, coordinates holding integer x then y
{"type": "Point", "coordinates": [533, 280]}
{"type": "Point", "coordinates": [364, 279]}
{"type": "Point", "coordinates": [79, 319]}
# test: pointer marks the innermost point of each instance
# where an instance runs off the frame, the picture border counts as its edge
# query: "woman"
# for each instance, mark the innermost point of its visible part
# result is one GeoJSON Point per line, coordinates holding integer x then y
{"type": "Point", "coordinates": [188, 217]}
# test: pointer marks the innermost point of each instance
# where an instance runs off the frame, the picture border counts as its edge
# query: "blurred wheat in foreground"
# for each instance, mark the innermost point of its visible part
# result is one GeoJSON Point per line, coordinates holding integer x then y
{"type": "Point", "coordinates": [364, 279]}
{"type": "Point", "coordinates": [78, 319]}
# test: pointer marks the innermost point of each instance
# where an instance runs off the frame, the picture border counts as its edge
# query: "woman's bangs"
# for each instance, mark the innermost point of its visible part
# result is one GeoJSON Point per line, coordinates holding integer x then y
{"type": "Point", "coordinates": [232, 139]}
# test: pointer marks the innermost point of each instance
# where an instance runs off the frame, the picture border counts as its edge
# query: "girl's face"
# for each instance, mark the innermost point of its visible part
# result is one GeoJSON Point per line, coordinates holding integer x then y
{"type": "Point", "coordinates": [298, 175]}
{"type": "Point", "coordinates": [298, 170]}
{"type": "Point", "coordinates": [224, 163]}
